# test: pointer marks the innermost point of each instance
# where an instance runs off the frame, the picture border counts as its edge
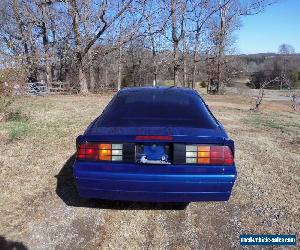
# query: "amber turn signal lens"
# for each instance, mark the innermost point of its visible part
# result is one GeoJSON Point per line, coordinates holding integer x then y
{"type": "Point", "coordinates": [203, 160]}
{"type": "Point", "coordinates": [104, 146]}
{"type": "Point", "coordinates": [105, 152]}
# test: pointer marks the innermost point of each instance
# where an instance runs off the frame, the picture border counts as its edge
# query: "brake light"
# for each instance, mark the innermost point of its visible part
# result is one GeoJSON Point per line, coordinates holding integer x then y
{"type": "Point", "coordinates": [154, 137]}
{"type": "Point", "coordinates": [208, 155]}
{"type": "Point", "coordinates": [100, 152]}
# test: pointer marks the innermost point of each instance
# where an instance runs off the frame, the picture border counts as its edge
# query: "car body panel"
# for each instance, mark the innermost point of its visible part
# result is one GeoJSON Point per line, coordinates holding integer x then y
{"type": "Point", "coordinates": [157, 183]}
{"type": "Point", "coordinates": [137, 182]}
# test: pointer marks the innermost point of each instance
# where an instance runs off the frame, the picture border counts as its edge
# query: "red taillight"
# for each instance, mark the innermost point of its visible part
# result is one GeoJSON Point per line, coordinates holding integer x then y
{"type": "Point", "coordinates": [100, 151]}
{"type": "Point", "coordinates": [209, 155]}
{"type": "Point", "coordinates": [88, 151]}
{"type": "Point", "coordinates": [154, 137]}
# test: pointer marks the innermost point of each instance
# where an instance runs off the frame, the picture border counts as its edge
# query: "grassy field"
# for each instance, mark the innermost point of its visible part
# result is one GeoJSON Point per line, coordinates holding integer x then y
{"type": "Point", "coordinates": [40, 208]}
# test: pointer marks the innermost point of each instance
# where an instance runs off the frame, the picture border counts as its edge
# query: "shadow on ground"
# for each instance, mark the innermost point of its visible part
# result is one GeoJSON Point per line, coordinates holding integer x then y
{"type": "Point", "coordinates": [66, 190]}
{"type": "Point", "coordinates": [11, 245]}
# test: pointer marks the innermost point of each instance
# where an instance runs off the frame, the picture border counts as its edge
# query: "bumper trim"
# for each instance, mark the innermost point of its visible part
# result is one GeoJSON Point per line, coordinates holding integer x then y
{"type": "Point", "coordinates": [154, 196]}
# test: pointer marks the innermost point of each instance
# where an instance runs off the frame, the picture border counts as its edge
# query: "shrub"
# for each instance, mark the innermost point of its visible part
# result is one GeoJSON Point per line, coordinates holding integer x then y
{"type": "Point", "coordinates": [10, 113]}
{"type": "Point", "coordinates": [18, 129]}
{"type": "Point", "coordinates": [203, 84]}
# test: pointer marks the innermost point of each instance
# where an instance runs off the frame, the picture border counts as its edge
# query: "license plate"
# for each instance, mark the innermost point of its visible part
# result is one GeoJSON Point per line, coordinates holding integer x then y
{"type": "Point", "coordinates": [153, 153]}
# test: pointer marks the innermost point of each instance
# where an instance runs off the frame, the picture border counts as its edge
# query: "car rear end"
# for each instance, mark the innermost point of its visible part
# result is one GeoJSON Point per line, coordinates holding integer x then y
{"type": "Point", "coordinates": [152, 163]}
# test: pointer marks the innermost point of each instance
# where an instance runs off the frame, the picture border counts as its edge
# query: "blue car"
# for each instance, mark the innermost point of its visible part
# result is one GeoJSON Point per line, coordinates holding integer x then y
{"type": "Point", "coordinates": [158, 144]}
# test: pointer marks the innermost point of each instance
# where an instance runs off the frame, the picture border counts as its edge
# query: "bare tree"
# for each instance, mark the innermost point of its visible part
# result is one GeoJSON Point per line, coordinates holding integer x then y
{"type": "Point", "coordinates": [222, 27]}
{"type": "Point", "coordinates": [293, 101]}
{"type": "Point", "coordinates": [286, 49]}
{"type": "Point", "coordinates": [156, 23]}
{"type": "Point", "coordinates": [82, 46]}
{"type": "Point", "coordinates": [177, 13]}
{"type": "Point", "coordinates": [93, 44]}
{"type": "Point", "coordinates": [201, 12]}
{"type": "Point", "coordinates": [261, 93]}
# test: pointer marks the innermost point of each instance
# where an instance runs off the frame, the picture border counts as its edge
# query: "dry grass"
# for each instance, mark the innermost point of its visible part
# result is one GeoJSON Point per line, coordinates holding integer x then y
{"type": "Point", "coordinates": [39, 206]}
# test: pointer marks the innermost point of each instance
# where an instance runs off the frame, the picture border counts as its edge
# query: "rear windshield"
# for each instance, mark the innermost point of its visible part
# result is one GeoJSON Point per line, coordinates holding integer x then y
{"type": "Point", "coordinates": [156, 109]}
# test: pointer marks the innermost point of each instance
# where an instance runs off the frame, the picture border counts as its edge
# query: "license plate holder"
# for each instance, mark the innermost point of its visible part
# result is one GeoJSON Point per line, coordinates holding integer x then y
{"type": "Point", "coordinates": [153, 153]}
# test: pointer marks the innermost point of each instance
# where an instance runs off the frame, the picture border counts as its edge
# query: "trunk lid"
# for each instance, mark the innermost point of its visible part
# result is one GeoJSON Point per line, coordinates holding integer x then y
{"type": "Point", "coordinates": [178, 134]}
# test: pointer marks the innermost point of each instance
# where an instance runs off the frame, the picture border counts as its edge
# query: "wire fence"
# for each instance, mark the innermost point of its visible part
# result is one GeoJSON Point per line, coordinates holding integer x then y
{"type": "Point", "coordinates": [43, 88]}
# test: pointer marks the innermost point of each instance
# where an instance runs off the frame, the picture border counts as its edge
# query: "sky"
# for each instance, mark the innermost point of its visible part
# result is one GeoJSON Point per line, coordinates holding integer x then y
{"type": "Point", "coordinates": [264, 32]}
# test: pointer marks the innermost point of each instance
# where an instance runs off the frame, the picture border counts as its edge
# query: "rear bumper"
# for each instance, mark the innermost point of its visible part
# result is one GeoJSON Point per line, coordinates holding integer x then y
{"type": "Point", "coordinates": [153, 183]}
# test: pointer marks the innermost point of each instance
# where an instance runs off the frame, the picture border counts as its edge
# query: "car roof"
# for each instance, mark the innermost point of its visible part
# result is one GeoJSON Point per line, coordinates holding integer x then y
{"type": "Point", "coordinates": [158, 89]}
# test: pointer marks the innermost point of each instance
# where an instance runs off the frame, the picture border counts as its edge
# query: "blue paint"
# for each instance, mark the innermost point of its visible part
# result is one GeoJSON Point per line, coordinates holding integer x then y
{"type": "Point", "coordinates": [161, 183]}
{"type": "Point", "coordinates": [146, 182]}
{"type": "Point", "coordinates": [154, 151]}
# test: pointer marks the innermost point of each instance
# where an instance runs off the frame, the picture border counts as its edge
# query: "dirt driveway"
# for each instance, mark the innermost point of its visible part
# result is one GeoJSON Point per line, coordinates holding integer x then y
{"type": "Point", "coordinates": [40, 208]}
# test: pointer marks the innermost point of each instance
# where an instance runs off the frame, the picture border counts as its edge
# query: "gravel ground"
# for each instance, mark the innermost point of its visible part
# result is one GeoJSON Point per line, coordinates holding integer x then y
{"type": "Point", "coordinates": [40, 208]}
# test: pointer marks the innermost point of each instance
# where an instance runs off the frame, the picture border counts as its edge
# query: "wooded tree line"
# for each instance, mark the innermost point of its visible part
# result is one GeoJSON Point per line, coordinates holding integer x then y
{"type": "Point", "coordinates": [284, 67]}
{"type": "Point", "coordinates": [265, 67]}
{"type": "Point", "coordinates": [98, 43]}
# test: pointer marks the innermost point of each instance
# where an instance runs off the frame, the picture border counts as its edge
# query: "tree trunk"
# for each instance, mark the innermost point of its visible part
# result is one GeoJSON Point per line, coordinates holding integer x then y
{"type": "Point", "coordinates": [46, 43]}
{"type": "Point", "coordinates": [91, 71]}
{"type": "Point", "coordinates": [119, 76]}
{"type": "Point", "coordinates": [196, 48]}
{"type": "Point", "coordinates": [175, 40]}
{"type": "Point", "coordinates": [48, 73]}
{"type": "Point", "coordinates": [154, 59]}
{"type": "Point", "coordinates": [193, 75]}
{"type": "Point", "coordinates": [24, 39]}
{"type": "Point", "coordinates": [92, 79]}
{"type": "Point", "coordinates": [221, 45]}
{"type": "Point", "coordinates": [120, 69]}
{"type": "Point", "coordinates": [79, 54]}
{"type": "Point", "coordinates": [82, 80]}
{"type": "Point", "coordinates": [155, 74]}
{"type": "Point", "coordinates": [176, 65]}
{"type": "Point", "coordinates": [185, 66]}
{"type": "Point", "coordinates": [185, 73]}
